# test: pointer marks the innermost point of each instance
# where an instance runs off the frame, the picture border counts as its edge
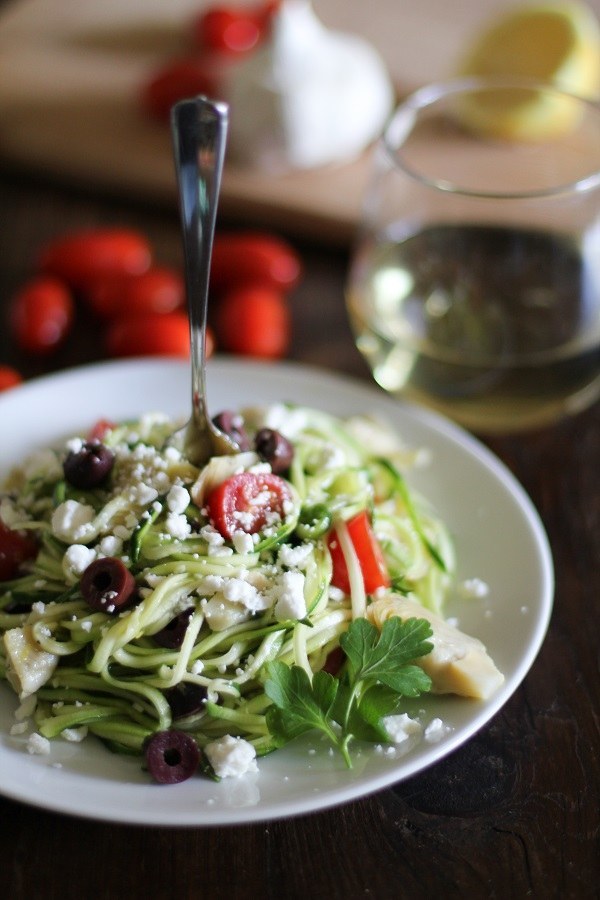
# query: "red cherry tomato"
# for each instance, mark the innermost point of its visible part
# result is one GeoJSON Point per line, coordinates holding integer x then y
{"type": "Point", "coordinates": [178, 79]}
{"type": "Point", "coordinates": [234, 29]}
{"type": "Point", "coordinates": [159, 290]}
{"type": "Point", "coordinates": [155, 334]}
{"type": "Point", "coordinates": [253, 321]}
{"type": "Point", "coordinates": [9, 377]}
{"type": "Point", "coordinates": [41, 315]}
{"type": "Point", "coordinates": [15, 548]}
{"type": "Point", "coordinates": [84, 257]}
{"type": "Point", "coordinates": [227, 29]}
{"type": "Point", "coordinates": [372, 563]}
{"type": "Point", "coordinates": [99, 430]}
{"type": "Point", "coordinates": [247, 502]}
{"type": "Point", "coordinates": [265, 13]}
{"type": "Point", "coordinates": [243, 258]}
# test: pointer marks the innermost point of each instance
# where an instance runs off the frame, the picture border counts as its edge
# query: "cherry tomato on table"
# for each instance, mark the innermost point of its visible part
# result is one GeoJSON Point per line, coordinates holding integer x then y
{"type": "Point", "coordinates": [370, 556]}
{"type": "Point", "coordinates": [240, 259]}
{"type": "Point", "coordinates": [83, 257]}
{"type": "Point", "coordinates": [233, 29]}
{"type": "Point", "coordinates": [41, 315]}
{"type": "Point", "coordinates": [9, 377]}
{"type": "Point", "coordinates": [247, 502]}
{"type": "Point", "coordinates": [253, 321]}
{"type": "Point", "coordinates": [15, 548]}
{"type": "Point", "coordinates": [158, 290]}
{"type": "Point", "coordinates": [155, 334]}
{"type": "Point", "coordinates": [184, 77]}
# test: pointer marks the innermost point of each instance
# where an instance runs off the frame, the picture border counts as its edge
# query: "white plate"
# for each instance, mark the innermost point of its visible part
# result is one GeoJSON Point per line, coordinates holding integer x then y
{"type": "Point", "coordinates": [499, 539]}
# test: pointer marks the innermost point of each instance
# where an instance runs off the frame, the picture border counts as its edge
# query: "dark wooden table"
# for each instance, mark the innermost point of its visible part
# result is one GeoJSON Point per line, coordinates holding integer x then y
{"type": "Point", "coordinates": [514, 813]}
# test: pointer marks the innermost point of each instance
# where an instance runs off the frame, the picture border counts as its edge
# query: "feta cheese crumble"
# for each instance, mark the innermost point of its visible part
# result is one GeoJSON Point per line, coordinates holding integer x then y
{"type": "Point", "coordinates": [178, 526]}
{"type": "Point", "coordinates": [290, 602]}
{"type": "Point", "coordinates": [72, 522]}
{"type": "Point", "coordinates": [474, 588]}
{"type": "Point", "coordinates": [37, 744]}
{"type": "Point", "coordinates": [400, 727]}
{"type": "Point", "coordinates": [294, 557]}
{"type": "Point", "coordinates": [76, 560]}
{"type": "Point", "coordinates": [178, 499]}
{"type": "Point", "coordinates": [436, 730]}
{"type": "Point", "coordinates": [231, 757]}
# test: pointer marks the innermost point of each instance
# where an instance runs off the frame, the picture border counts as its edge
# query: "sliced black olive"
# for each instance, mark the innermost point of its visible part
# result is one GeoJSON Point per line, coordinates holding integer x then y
{"type": "Point", "coordinates": [335, 660]}
{"type": "Point", "coordinates": [89, 466]}
{"type": "Point", "coordinates": [274, 448]}
{"type": "Point", "coordinates": [171, 756]}
{"type": "Point", "coordinates": [232, 424]}
{"type": "Point", "coordinates": [107, 585]}
{"type": "Point", "coordinates": [173, 633]}
{"type": "Point", "coordinates": [186, 699]}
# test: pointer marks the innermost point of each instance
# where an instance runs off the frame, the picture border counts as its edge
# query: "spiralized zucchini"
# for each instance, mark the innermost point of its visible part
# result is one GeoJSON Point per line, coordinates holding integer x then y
{"type": "Point", "coordinates": [107, 673]}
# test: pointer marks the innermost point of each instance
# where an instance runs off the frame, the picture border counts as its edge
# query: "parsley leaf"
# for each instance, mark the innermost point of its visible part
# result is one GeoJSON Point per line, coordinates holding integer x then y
{"type": "Point", "coordinates": [384, 658]}
{"type": "Point", "coordinates": [379, 672]}
{"type": "Point", "coordinates": [299, 704]}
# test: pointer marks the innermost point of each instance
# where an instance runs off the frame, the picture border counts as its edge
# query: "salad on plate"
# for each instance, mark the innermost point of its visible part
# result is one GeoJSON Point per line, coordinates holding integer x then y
{"type": "Point", "coordinates": [201, 618]}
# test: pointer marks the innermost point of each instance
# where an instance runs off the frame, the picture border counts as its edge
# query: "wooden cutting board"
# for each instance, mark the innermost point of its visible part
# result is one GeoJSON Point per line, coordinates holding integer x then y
{"type": "Point", "coordinates": [70, 72]}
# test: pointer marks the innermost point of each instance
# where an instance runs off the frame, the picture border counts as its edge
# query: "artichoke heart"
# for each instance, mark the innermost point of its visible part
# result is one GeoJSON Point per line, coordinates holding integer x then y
{"type": "Point", "coordinates": [28, 667]}
{"type": "Point", "coordinates": [457, 664]}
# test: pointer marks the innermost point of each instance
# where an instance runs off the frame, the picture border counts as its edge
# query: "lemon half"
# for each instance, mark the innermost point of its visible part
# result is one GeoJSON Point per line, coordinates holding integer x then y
{"type": "Point", "coordinates": [554, 43]}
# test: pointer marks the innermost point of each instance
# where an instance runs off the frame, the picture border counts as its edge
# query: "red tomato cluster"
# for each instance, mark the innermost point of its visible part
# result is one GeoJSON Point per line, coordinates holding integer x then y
{"type": "Point", "coordinates": [251, 275]}
{"type": "Point", "coordinates": [140, 304]}
{"type": "Point", "coordinates": [111, 271]}
{"type": "Point", "coordinates": [218, 35]}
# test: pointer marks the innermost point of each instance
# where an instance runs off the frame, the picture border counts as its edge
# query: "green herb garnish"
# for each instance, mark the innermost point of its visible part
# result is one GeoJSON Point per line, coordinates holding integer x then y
{"type": "Point", "coordinates": [378, 672]}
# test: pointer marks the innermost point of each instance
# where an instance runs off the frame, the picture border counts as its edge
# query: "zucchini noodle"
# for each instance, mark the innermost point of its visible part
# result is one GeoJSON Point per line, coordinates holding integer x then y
{"type": "Point", "coordinates": [241, 600]}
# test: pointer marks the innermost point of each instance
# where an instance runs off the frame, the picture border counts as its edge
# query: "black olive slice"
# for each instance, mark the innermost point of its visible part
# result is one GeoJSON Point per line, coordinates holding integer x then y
{"type": "Point", "coordinates": [186, 699]}
{"type": "Point", "coordinates": [273, 447]}
{"type": "Point", "coordinates": [172, 756]}
{"type": "Point", "coordinates": [107, 585]}
{"type": "Point", "coordinates": [232, 424]}
{"type": "Point", "coordinates": [89, 466]}
{"type": "Point", "coordinates": [172, 635]}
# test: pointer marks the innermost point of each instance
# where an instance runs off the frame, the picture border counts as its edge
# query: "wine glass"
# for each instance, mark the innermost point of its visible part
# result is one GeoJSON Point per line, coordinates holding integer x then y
{"type": "Point", "coordinates": [474, 286]}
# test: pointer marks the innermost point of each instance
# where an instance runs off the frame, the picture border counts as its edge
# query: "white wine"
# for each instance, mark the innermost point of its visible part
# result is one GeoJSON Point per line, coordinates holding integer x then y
{"type": "Point", "coordinates": [497, 328]}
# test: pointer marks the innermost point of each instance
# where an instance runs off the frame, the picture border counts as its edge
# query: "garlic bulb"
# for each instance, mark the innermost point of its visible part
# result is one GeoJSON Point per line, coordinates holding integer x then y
{"type": "Point", "coordinates": [309, 97]}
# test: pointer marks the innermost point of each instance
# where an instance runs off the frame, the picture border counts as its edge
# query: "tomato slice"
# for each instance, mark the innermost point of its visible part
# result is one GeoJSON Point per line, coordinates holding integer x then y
{"type": "Point", "coordinates": [370, 556]}
{"type": "Point", "coordinates": [100, 429]}
{"type": "Point", "coordinates": [15, 548]}
{"type": "Point", "coordinates": [248, 502]}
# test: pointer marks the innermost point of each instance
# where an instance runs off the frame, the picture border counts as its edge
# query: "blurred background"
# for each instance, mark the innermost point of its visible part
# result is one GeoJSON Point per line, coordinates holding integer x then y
{"type": "Point", "coordinates": [79, 149]}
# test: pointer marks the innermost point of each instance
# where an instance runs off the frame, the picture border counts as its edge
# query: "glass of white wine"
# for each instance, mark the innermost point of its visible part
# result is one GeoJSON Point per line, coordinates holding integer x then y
{"type": "Point", "coordinates": [474, 287]}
